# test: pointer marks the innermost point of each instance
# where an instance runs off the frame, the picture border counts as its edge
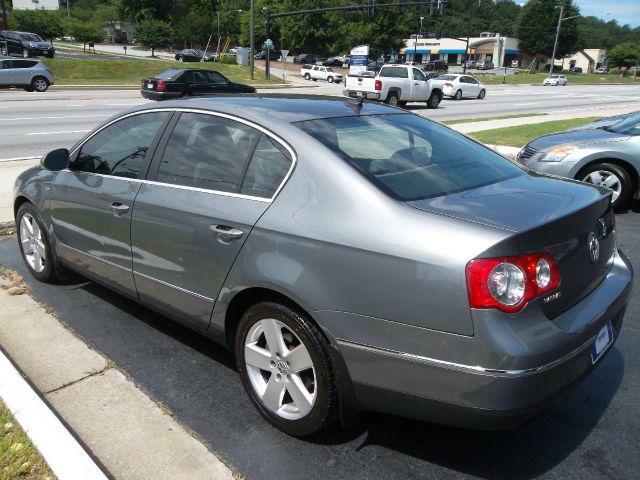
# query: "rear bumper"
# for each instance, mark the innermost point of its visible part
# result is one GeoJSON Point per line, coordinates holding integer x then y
{"type": "Point", "coordinates": [151, 95]}
{"type": "Point", "coordinates": [499, 396]}
{"type": "Point", "coordinates": [356, 93]}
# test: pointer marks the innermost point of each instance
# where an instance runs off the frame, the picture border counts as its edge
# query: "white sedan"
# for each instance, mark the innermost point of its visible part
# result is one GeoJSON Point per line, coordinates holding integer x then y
{"type": "Point", "coordinates": [462, 86]}
{"type": "Point", "coordinates": [555, 80]}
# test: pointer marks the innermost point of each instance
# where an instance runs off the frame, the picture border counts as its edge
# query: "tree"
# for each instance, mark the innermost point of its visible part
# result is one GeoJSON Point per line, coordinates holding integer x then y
{"type": "Point", "coordinates": [154, 33]}
{"type": "Point", "coordinates": [85, 32]}
{"type": "Point", "coordinates": [537, 28]}
{"type": "Point", "coordinates": [45, 23]}
{"type": "Point", "coordinates": [624, 55]}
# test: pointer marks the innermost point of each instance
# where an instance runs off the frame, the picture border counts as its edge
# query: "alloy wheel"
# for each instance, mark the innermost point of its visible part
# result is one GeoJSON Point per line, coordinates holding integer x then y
{"type": "Point", "coordinates": [606, 179]}
{"type": "Point", "coordinates": [33, 247]}
{"type": "Point", "coordinates": [40, 85]}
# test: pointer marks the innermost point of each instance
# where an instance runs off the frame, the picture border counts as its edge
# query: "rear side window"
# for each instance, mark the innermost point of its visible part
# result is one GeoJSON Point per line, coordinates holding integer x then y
{"type": "Point", "coordinates": [120, 148]}
{"type": "Point", "coordinates": [6, 64]}
{"type": "Point", "coordinates": [24, 64]}
{"type": "Point", "coordinates": [205, 151]}
{"type": "Point", "coordinates": [409, 157]}
{"type": "Point", "coordinates": [268, 167]}
{"type": "Point", "coordinates": [215, 77]}
{"type": "Point", "coordinates": [394, 72]}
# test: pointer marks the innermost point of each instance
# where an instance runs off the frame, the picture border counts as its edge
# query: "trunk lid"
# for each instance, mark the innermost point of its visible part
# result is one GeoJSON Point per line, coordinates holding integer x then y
{"type": "Point", "coordinates": [558, 217]}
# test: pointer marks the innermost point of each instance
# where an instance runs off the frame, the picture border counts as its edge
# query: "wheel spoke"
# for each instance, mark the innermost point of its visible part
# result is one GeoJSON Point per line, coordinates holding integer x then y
{"type": "Point", "coordinates": [272, 397]}
{"type": "Point", "coordinates": [41, 250]}
{"type": "Point", "coordinates": [37, 259]}
{"type": "Point", "coordinates": [26, 243]}
{"type": "Point", "coordinates": [26, 228]}
{"type": "Point", "coordinates": [257, 357]}
{"type": "Point", "coordinates": [299, 359]}
{"type": "Point", "coordinates": [301, 397]}
{"type": "Point", "coordinates": [273, 333]}
{"type": "Point", "coordinates": [611, 182]}
{"type": "Point", "coordinates": [594, 177]}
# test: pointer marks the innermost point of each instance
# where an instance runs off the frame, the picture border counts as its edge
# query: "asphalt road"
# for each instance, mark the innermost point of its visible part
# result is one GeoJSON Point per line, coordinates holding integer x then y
{"type": "Point", "coordinates": [592, 433]}
{"type": "Point", "coordinates": [32, 124]}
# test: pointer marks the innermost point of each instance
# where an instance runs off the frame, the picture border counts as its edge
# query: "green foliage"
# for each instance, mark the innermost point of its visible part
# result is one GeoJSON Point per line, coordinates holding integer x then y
{"type": "Point", "coordinates": [193, 30]}
{"type": "Point", "coordinates": [85, 32]}
{"type": "Point", "coordinates": [596, 33]}
{"type": "Point", "coordinates": [227, 60]}
{"type": "Point", "coordinates": [625, 54]}
{"type": "Point", "coordinates": [154, 33]}
{"type": "Point", "coordinates": [537, 24]}
{"type": "Point", "coordinates": [46, 23]}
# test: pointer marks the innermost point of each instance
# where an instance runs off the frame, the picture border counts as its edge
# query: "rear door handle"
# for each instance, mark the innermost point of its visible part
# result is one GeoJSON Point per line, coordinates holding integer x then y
{"type": "Point", "coordinates": [226, 232]}
{"type": "Point", "coordinates": [119, 208]}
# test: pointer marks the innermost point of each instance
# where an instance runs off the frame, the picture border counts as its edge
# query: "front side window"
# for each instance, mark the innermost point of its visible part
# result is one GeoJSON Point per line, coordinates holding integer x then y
{"type": "Point", "coordinates": [30, 37]}
{"type": "Point", "coordinates": [206, 151]}
{"type": "Point", "coordinates": [418, 75]}
{"type": "Point", "coordinates": [409, 157]}
{"type": "Point", "coordinates": [120, 148]}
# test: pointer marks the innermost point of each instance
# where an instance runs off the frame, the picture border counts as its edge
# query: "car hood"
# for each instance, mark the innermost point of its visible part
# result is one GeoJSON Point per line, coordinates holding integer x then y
{"type": "Point", "coordinates": [580, 137]}
{"type": "Point", "coordinates": [518, 204]}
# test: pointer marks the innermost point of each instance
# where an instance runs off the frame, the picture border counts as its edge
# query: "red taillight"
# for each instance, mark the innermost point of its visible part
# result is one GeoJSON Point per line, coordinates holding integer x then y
{"type": "Point", "coordinates": [141, 83]}
{"type": "Point", "coordinates": [447, 84]}
{"type": "Point", "coordinates": [161, 87]}
{"type": "Point", "coordinates": [378, 85]}
{"type": "Point", "coordinates": [508, 283]}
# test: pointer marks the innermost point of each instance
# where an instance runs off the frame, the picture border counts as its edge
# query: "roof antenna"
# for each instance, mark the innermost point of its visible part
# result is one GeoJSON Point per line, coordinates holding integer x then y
{"type": "Point", "coordinates": [358, 101]}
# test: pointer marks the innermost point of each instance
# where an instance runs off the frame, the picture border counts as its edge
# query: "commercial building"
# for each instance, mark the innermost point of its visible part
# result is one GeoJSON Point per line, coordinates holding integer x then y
{"type": "Point", "coordinates": [36, 4]}
{"type": "Point", "coordinates": [488, 46]}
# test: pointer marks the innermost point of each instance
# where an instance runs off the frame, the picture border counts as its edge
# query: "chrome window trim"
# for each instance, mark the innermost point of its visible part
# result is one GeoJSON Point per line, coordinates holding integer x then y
{"type": "Point", "coordinates": [280, 140]}
{"type": "Point", "coordinates": [476, 369]}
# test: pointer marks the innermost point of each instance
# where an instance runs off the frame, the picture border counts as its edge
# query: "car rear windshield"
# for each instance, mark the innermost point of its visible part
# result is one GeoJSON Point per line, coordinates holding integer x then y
{"type": "Point", "coordinates": [409, 157]}
{"type": "Point", "coordinates": [170, 74]}
{"type": "Point", "coordinates": [447, 77]}
{"type": "Point", "coordinates": [394, 72]}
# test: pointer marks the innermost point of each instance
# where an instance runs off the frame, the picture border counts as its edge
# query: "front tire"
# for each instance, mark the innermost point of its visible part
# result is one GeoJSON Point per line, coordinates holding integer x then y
{"type": "Point", "coordinates": [25, 53]}
{"type": "Point", "coordinates": [35, 246]}
{"type": "Point", "coordinates": [482, 94]}
{"type": "Point", "coordinates": [330, 79]}
{"type": "Point", "coordinates": [392, 100]}
{"type": "Point", "coordinates": [611, 176]}
{"type": "Point", "coordinates": [307, 76]}
{"type": "Point", "coordinates": [458, 95]}
{"type": "Point", "coordinates": [40, 84]}
{"type": "Point", "coordinates": [287, 369]}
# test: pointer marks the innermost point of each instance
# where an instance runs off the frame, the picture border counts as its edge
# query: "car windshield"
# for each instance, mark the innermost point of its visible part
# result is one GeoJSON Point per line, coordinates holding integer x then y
{"type": "Point", "coordinates": [628, 126]}
{"type": "Point", "coordinates": [31, 37]}
{"type": "Point", "coordinates": [552, 76]}
{"type": "Point", "coordinates": [198, 52]}
{"type": "Point", "coordinates": [170, 74]}
{"type": "Point", "coordinates": [409, 157]}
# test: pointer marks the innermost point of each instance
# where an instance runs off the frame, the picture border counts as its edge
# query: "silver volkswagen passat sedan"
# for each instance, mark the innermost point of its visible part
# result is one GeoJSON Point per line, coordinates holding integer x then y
{"type": "Point", "coordinates": [608, 156]}
{"type": "Point", "coordinates": [353, 256]}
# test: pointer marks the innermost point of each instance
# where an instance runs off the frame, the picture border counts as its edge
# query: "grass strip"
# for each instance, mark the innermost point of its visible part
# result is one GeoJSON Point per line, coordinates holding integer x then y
{"type": "Point", "coordinates": [71, 71]}
{"type": "Point", "coordinates": [522, 134]}
{"type": "Point", "coordinates": [19, 459]}
{"type": "Point", "coordinates": [486, 119]}
{"type": "Point", "coordinates": [538, 78]}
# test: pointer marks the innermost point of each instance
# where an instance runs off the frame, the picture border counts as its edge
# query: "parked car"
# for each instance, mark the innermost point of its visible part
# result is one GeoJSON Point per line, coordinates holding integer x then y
{"type": "Point", "coordinates": [602, 70]}
{"type": "Point", "coordinates": [395, 84]}
{"type": "Point", "coordinates": [25, 44]}
{"type": "Point", "coordinates": [194, 55]}
{"type": "Point", "coordinates": [273, 55]}
{"type": "Point", "coordinates": [484, 65]}
{"type": "Point", "coordinates": [555, 80]}
{"type": "Point", "coordinates": [604, 122]}
{"type": "Point", "coordinates": [575, 69]}
{"type": "Point", "coordinates": [318, 72]}
{"type": "Point", "coordinates": [32, 75]}
{"type": "Point", "coordinates": [258, 224]}
{"type": "Point", "coordinates": [188, 82]}
{"type": "Point", "coordinates": [375, 65]}
{"type": "Point", "coordinates": [462, 86]}
{"type": "Point", "coordinates": [333, 62]}
{"type": "Point", "coordinates": [436, 66]}
{"type": "Point", "coordinates": [608, 156]}
{"type": "Point", "coordinates": [305, 58]}
{"type": "Point", "coordinates": [471, 63]}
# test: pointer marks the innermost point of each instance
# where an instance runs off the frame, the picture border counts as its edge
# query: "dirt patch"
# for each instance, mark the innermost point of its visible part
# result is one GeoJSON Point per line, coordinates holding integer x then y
{"type": "Point", "coordinates": [12, 282]}
{"type": "Point", "coordinates": [7, 230]}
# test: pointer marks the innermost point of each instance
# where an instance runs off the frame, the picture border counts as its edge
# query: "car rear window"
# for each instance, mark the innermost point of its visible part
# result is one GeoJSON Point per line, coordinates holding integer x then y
{"type": "Point", "coordinates": [170, 74]}
{"type": "Point", "coordinates": [447, 77]}
{"type": "Point", "coordinates": [394, 72]}
{"type": "Point", "coordinates": [409, 157]}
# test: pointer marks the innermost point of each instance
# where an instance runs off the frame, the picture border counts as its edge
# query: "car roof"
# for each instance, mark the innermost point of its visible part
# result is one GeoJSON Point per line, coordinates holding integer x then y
{"type": "Point", "coordinates": [274, 107]}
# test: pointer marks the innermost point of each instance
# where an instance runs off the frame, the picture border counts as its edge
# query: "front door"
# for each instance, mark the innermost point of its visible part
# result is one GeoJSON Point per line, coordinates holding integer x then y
{"type": "Point", "coordinates": [191, 221]}
{"type": "Point", "coordinates": [92, 201]}
{"type": "Point", "coordinates": [420, 89]}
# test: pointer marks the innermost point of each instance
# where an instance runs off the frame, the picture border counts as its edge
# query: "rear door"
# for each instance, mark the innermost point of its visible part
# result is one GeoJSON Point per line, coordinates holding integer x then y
{"type": "Point", "coordinates": [92, 201]}
{"type": "Point", "coordinates": [192, 217]}
{"type": "Point", "coordinates": [22, 72]}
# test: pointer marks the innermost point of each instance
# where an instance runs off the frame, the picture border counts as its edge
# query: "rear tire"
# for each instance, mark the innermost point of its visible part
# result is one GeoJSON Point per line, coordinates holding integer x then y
{"type": "Point", "coordinates": [40, 84]}
{"type": "Point", "coordinates": [392, 99]}
{"type": "Point", "coordinates": [330, 79]}
{"type": "Point", "coordinates": [458, 95]}
{"type": "Point", "coordinates": [434, 101]}
{"type": "Point", "coordinates": [611, 176]}
{"type": "Point", "coordinates": [287, 369]}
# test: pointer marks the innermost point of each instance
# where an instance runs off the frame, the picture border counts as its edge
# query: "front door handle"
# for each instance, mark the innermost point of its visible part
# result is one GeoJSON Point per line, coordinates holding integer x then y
{"type": "Point", "coordinates": [119, 208]}
{"type": "Point", "coordinates": [226, 232]}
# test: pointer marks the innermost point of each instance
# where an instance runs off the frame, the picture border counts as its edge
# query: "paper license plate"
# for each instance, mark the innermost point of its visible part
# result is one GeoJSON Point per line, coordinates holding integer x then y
{"type": "Point", "coordinates": [603, 340]}
{"type": "Point", "coordinates": [150, 85]}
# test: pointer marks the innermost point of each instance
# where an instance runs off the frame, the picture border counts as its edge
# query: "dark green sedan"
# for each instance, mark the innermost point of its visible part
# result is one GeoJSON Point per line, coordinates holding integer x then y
{"type": "Point", "coordinates": [188, 82]}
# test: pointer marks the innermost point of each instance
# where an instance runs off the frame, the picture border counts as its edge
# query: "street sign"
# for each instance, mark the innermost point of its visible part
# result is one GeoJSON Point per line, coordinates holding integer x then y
{"type": "Point", "coordinates": [284, 54]}
{"type": "Point", "coordinates": [268, 44]}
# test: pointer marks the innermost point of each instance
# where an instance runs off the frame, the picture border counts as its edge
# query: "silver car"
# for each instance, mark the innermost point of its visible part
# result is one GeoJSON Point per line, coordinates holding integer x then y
{"type": "Point", "coordinates": [31, 75]}
{"type": "Point", "coordinates": [608, 156]}
{"type": "Point", "coordinates": [353, 256]}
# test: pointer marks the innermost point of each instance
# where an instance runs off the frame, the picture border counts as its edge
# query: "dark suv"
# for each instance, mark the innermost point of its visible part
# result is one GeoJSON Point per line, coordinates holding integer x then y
{"type": "Point", "coordinates": [25, 44]}
{"type": "Point", "coordinates": [436, 66]}
{"type": "Point", "coordinates": [305, 58]}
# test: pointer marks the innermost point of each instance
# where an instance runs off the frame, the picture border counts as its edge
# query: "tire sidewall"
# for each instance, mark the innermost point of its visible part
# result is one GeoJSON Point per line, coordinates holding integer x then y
{"type": "Point", "coordinates": [48, 274]}
{"type": "Point", "coordinates": [482, 94]}
{"type": "Point", "coordinates": [320, 414]}
{"type": "Point", "coordinates": [434, 101]}
{"type": "Point", "coordinates": [458, 95]}
{"type": "Point", "coordinates": [619, 172]}
{"type": "Point", "coordinates": [390, 100]}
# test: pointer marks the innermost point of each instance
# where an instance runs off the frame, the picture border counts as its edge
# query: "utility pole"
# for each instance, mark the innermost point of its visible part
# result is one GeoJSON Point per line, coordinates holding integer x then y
{"type": "Point", "coordinates": [3, 11]}
{"type": "Point", "coordinates": [555, 44]}
{"type": "Point", "coordinates": [466, 49]}
{"type": "Point", "coordinates": [252, 38]}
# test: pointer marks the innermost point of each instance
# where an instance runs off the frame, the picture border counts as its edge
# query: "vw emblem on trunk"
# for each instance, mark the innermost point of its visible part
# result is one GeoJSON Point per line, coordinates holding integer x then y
{"type": "Point", "coordinates": [603, 227]}
{"type": "Point", "coordinates": [594, 247]}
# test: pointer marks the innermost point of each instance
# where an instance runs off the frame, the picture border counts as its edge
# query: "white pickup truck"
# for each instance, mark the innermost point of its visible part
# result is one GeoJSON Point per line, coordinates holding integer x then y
{"type": "Point", "coordinates": [318, 72]}
{"type": "Point", "coordinates": [395, 85]}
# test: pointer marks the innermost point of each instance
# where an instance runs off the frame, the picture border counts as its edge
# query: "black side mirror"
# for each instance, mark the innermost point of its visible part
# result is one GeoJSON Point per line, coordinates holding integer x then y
{"type": "Point", "coordinates": [56, 160]}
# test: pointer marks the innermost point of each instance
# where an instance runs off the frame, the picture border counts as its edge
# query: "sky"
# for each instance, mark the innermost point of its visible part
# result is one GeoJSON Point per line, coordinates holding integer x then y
{"type": "Point", "coordinates": [626, 12]}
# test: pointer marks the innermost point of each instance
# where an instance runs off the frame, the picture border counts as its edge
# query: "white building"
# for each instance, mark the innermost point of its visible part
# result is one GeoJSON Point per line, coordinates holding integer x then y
{"type": "Point", "coordinates": [36, 4]}
{"type": "Point", "coordinates": [489, 46]}
{"type": "Point", "coordinates": [588, 59]}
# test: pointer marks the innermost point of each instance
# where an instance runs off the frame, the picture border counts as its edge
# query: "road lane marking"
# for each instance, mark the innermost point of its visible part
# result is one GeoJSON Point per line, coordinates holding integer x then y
{"type": "Point", "coordinates": [52, 118]}
{"type": "Point", "coordinates": [76, 105]}
{"type": "Point", "coordinates": [526, 104]}
{"type": "Point", "coordinates": [55, 133]}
